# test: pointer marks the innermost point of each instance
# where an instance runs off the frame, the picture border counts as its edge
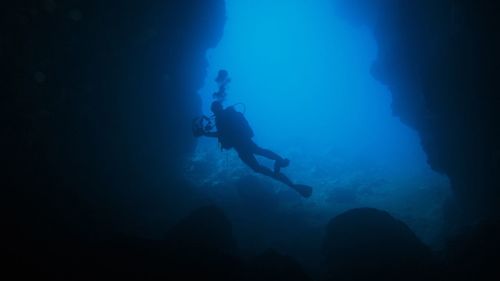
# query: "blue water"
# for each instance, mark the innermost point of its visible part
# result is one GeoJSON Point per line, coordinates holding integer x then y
{"type": "Point", "coordinates": [303, 75]}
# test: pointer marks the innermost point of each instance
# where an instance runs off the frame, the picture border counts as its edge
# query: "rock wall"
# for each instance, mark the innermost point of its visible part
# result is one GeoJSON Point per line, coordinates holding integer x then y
{"type": "Point", "coordinates": [97, 102]}
{"type": "Point", "coordinates": [440, 60]}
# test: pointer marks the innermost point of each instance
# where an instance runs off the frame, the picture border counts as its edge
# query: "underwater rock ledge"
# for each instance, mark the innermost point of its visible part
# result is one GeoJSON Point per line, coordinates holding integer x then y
{"type": "Point", "coordinates": [440, 60]}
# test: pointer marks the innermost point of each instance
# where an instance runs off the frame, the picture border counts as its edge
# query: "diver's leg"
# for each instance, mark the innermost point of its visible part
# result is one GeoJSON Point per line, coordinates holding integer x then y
{"type": "Point", "coordinates": [279, 163]}
{"type": "Point", "coordinates": [267, 153]}
{"type": "Point", "coordinates": [249, 159]}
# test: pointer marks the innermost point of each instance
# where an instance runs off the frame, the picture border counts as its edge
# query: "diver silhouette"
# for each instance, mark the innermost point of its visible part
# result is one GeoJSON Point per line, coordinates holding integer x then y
{"type": "Point", "coordinates": [233, 131]}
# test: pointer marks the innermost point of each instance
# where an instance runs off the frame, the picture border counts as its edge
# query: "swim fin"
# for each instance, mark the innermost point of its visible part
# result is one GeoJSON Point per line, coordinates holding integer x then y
{"type": "Point", "coordinates": [303, 190]}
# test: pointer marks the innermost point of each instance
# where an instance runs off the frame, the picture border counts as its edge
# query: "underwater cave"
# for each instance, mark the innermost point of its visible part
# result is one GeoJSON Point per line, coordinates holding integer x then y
{"type": "Point", "coordinates": [301, 74]}
{"type": "Point", "coordinates": [387, 109]}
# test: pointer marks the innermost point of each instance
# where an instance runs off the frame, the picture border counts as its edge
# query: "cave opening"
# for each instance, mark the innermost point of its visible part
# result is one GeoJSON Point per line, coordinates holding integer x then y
{"type": "Point", "coordinates": [99, 99]}
{"type": "Point", "coordinates": [303, 75]}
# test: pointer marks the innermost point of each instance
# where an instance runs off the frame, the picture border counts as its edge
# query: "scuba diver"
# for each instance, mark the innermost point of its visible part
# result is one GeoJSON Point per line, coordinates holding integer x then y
{"type": "Point", "coordinates": [233, 131]}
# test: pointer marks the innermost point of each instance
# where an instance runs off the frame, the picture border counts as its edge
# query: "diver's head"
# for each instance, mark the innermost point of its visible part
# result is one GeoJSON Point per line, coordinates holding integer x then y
{"type": "Point", "coordinates": [217, 107]}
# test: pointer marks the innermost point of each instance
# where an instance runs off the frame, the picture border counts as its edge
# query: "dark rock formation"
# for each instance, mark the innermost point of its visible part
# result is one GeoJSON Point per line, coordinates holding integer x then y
{"type": "Point", "coordinates": [199, 247]}
{"type": "Point", "coordinates": [206, 228]}
{"type": "Point", "coordinates": [202, 247]}
{"type": "Point", "coordinates": [440, 60]}
{"type": "Point", "coordinates": [475, 253]}
{"type": "Point", "coordinates": [368, 244]}
{"type": "Point", "coordinates": [97, 99]}
{"type": "Point", "coordinates": [271, 266]}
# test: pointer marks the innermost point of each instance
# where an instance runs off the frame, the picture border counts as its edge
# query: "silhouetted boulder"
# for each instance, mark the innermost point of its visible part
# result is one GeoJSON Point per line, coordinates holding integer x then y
{"type": "Point", "coordinates": [272, 266]}
{"type": "Point", "coordinates": [368, 244]}
{"type": "Point", "coordinates": [202, 246]}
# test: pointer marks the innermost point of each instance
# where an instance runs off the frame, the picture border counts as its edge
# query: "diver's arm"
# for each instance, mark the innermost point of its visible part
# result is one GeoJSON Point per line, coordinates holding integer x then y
{"type": "Point", "coordinates": [211, 134]}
